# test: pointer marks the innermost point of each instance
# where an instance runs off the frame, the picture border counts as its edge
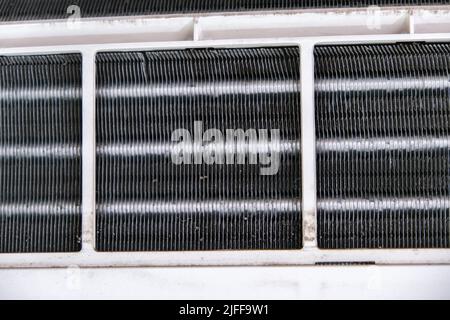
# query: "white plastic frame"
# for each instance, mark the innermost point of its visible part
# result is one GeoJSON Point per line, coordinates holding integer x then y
{"type": "Point", "coordinates": [88, 37]}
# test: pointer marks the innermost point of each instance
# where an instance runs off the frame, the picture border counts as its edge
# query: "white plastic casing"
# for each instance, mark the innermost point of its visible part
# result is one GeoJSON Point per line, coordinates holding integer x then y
{"type": "Point", "coordinates": [304, 29]}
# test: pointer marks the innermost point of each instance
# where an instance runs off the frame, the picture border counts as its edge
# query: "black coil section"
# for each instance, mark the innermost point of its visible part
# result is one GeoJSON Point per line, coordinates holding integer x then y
{"type": "Point", "coordinates": [145, 201]}
{"type": "Point", "coordinates": [40, 156]}
{"type": "Point", "coordinates": [383, 145]}
{"type": "Point", "coordinates": [16, 10]}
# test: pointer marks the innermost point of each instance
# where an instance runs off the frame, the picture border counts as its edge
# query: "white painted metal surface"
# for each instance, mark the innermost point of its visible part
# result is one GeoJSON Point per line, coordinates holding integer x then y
{"type": "Point", "coordinates": [277, 283]}
{"type": "Point", "coordinates": [303, 29]}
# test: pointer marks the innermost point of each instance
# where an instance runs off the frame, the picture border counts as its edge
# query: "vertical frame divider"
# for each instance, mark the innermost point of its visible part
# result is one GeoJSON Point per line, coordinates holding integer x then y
{"type": "Point", "coordinates": [309, 184]}
{"type": "Point", "coordinates": [88, 150]}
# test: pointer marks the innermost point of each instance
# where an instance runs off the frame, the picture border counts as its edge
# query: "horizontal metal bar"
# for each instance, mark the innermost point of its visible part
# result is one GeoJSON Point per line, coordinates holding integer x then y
{"type": "Point", "coordinates": [382, 144]}
{"type": "Point", "coordinates": [225, 148]}
{"type": "Point", "coordinates": [40, 151]}
{"type": "Point", "coordinates": [384, 204]}
{"type": "Point", "coordinates": [364, 84]}
{"type": "Point", "coordinates": [184, 207]}
{"type": "Point", "coordinates": [46, 93]}
{"type": "Point", "coordinates": [39, 208]}
{"type": "Point", "coordinates": [212, 88]}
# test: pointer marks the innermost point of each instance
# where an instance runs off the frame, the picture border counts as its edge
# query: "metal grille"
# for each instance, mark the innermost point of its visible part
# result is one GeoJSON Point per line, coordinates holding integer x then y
{"type": "Point", "coordinates": [40, 168]}
{"type": "Point", "coordinates": [16, 10]}
{"type": "Point", "coordinates": [147, 202]}
{"type": "Point", "coordinates": [383, 130]}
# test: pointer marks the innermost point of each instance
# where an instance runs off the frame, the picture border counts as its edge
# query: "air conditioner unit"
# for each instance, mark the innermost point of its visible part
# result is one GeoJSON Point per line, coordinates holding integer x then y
{"type": "Point", "coordinates": [224, 135]}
